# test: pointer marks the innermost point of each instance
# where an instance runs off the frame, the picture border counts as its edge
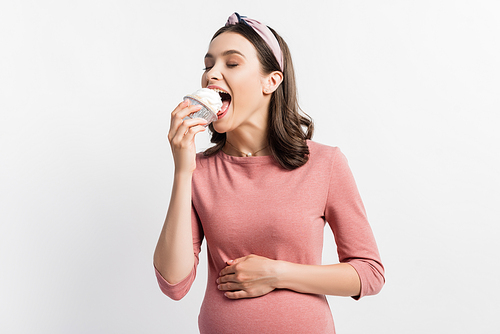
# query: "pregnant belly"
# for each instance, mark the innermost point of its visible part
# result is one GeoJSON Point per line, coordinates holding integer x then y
{"type": "Point", "coordinates": [281, 311]}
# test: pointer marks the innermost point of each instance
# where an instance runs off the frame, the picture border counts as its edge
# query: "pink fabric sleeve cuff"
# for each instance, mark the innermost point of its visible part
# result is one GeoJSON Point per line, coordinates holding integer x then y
{"type": "Point", "coordinates": [178, 290]}
{"type": "Point", "coordinates": [371, 278]}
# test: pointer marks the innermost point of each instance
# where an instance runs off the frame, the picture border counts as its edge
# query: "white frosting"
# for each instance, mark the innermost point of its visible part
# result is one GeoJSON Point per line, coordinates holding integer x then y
{"type": "Point", "coordinates": [209, 97]}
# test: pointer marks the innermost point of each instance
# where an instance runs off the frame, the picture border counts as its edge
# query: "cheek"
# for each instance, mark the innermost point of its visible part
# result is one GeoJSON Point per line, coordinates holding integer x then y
{"type": "Point", "coordinates": [246, 99]}
{"type": "Point", "coordinates": [204, 82]}
{"type": "Point", "coordinates": [249, 89]}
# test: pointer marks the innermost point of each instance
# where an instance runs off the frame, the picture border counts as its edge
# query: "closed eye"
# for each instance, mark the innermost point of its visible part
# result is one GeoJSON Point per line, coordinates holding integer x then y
{"type": "Point", "coordinates": [228, 65]}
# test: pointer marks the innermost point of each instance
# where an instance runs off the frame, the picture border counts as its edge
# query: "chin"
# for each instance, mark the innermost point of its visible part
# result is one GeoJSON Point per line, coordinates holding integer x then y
{"type": "Point", "coordinates": [219, 127]}
{"type": "Point", "coordinates": [223, 125]}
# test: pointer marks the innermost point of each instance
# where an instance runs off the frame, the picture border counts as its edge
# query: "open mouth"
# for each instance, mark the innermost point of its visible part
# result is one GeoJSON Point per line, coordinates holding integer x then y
{"type": "Point", "coordinates": [226, 101]}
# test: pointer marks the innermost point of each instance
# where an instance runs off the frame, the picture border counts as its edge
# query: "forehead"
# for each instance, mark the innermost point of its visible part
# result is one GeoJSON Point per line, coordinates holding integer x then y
{"type": "Point", "coordinates": [231, 41]}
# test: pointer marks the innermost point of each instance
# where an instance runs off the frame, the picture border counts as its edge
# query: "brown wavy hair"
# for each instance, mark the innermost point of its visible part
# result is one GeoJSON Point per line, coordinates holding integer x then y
{"type": "Point", "coordinates": [289, 127]}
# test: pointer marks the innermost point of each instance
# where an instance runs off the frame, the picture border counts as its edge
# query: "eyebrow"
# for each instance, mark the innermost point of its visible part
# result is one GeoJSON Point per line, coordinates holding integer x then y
{"type": "Point", "coordinates": [226, 53]}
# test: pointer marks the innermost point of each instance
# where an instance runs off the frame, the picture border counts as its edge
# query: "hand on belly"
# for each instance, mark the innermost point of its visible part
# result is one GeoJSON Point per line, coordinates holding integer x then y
{"type": "Point", "coordinates": [247, 277]}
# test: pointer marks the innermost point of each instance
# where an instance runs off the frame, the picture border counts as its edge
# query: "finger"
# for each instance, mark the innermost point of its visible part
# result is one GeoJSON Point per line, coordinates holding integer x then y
{"type": "Point", "coordinates": [235, 261]}
{"type": "Point", "coordinates": [188, 110]}
{"type": "Point", "coordinates": [188, 126]}
{"type": "Point", "coordinates": [237, 294]}
{"type": "Point", "coordinates": [184, 104]}
{"type": "Point", "coordinates": [230, 269]}
{"type": "Point", "coordinates": [231, 286]}
{"type": "Point", "coordinates": [227, 271]}
{"type": "Point", "coordinates": [179, 116]}
{"type": "Point", "coordinates": [192, 131]}
{"type": "Point", "coordinates": [227, 278]}
{"type": "Point", "coordinates": [181, 141]}
{"type": "Point", "coordinates": [190, 122]}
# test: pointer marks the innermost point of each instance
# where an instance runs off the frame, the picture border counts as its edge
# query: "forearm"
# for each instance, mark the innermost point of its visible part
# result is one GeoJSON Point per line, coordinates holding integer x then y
{"type": "Point", "coordinates": [173, 256]}
{"type": "Point", "coordinates": [336, 279]}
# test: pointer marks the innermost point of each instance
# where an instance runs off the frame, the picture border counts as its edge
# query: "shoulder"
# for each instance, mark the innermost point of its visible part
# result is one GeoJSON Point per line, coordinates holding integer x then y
{"type": "Point", "coordinates": [202, 161]}
{"type": "Point", "coordinates": [323, 159]}
{"type": "Point", "coordinates": [322, 153]}
{"type": "Point", "coordinates": [327, 157]}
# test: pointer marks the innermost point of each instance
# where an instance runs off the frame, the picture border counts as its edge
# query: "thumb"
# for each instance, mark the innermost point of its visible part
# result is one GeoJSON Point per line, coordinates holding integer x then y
{"type": "Point", "coordinates": [231, 262]}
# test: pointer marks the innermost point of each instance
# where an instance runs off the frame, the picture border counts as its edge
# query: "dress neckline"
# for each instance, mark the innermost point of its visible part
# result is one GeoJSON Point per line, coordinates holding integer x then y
{"type": "Point", "coordinates": [260, 159]}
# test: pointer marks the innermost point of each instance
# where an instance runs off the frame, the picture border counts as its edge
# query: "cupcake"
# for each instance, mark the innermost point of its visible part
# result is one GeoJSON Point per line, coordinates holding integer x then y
{"type": "Point", "coordinates": [210, 102]}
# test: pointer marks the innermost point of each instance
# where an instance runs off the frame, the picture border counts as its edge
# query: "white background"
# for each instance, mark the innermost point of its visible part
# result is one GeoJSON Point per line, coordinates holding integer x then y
{"type": "Point", "coordinates": [409, 90]}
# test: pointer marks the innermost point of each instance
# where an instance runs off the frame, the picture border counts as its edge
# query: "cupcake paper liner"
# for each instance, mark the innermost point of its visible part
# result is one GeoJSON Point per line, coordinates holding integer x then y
{"type": "Point", "coordinates": [205, 112]}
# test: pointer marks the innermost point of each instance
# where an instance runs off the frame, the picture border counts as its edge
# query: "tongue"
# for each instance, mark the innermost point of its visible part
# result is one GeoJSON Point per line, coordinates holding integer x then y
{"type": "Point", "coordinates": [225, 105]}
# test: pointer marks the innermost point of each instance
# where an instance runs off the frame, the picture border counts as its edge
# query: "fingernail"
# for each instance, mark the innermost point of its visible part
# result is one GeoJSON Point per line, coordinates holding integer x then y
{"type": "Point", "coordinates": [217, 281]}
{"type": "Point", "coordinates": [218, 287]}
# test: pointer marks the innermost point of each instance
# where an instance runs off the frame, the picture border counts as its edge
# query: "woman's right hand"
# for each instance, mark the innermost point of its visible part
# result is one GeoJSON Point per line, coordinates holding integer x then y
{"type": "Point", "coordinates": [181, 136]}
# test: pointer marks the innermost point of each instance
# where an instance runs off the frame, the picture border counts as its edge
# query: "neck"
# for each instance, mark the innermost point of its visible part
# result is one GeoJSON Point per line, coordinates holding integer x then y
{"type": "Point", "coordinates": [250, 136]}
{"type": "Point", "coordinates": [242, 143]}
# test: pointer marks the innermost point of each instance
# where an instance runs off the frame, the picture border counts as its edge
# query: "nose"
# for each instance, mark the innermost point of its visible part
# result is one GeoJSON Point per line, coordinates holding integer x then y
{"type": "Point", "coordinates": [214, 74]}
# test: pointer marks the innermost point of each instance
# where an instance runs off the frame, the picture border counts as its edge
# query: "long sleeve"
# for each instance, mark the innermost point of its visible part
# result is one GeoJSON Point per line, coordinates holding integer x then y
{"type": "Point", "coordinates": [347, 218]}
{"type": "Point", "coordinates": [179, 290]}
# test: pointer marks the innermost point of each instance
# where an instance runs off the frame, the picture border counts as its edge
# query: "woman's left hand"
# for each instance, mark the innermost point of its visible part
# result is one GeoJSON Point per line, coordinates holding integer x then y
{"type": "Point", "coordinates": [248, 276]}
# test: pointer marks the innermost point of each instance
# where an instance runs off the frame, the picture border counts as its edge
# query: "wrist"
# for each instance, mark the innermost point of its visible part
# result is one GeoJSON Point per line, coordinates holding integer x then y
{"type": "Point", "coordinates": [282, 273]}
{"type": "Point", "coordinates": [183, 174]}
{"type": "Point", "coordinates": [182, 180]}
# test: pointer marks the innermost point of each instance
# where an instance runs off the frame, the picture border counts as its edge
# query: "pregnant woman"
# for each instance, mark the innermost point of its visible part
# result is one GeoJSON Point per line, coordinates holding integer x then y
{"type": "Point", "coordinates": [260, 198]}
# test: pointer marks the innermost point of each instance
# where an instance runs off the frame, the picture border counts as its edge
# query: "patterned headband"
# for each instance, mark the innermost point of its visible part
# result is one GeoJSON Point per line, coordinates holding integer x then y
{"type": "Point", "coordinates": [263, 32]}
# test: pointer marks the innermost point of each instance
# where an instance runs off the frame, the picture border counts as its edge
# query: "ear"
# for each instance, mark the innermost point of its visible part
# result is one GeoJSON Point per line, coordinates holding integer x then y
{"type": "Point", "coordinates": [272, 82]}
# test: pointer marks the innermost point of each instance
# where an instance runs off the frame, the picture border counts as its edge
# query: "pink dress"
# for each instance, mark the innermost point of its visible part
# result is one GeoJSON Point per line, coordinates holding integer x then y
{"type": "Point", "coordinates": [252, 205]}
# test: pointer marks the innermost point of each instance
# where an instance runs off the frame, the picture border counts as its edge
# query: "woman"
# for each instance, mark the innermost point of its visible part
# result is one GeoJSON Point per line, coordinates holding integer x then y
{"type": "Point", "coordinates": [261, 197]}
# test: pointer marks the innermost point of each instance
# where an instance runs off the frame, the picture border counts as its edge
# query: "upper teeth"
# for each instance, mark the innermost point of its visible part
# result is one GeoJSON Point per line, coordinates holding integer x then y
{"type": "Point", "coordinates": [219, 90]}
